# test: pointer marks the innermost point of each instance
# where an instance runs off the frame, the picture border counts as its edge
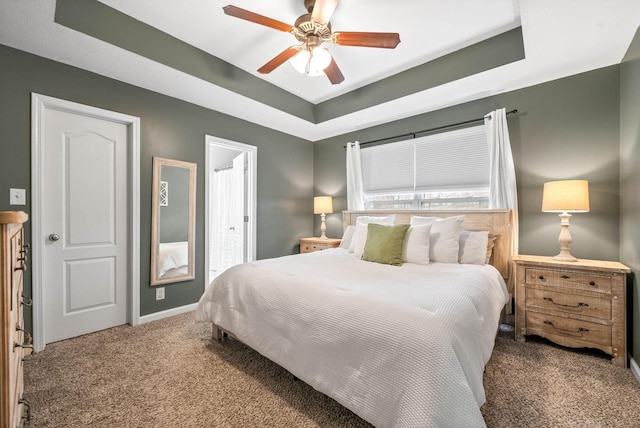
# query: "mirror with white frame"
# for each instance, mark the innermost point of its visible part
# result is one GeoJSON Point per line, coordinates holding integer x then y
{"type": "Point", "coordinates": [173, 221]}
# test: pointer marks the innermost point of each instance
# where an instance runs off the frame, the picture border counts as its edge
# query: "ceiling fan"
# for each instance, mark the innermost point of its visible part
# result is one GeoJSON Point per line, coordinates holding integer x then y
{"type": "Point", "coordinates": [312, 30]}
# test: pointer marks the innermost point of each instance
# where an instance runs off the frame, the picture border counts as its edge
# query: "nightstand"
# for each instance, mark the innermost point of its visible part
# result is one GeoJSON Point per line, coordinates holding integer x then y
{"type": "Point", "coordinates": [309, 245]}
{"type": "Point", "coordinates": [576, 304]}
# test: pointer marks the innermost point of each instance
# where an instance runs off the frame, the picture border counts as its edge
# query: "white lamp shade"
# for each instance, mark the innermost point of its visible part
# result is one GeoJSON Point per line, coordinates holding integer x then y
{"type": "Point", "coordinates": [322, 205]}
{"type": "Point", "coordinates": [300, 60]}
{"type": "Point", "coordinates": [320, 59]}
{"type": "Point", "coordinates": [566, 196]}
{"type": "Point", "coordinates": [312, 64]}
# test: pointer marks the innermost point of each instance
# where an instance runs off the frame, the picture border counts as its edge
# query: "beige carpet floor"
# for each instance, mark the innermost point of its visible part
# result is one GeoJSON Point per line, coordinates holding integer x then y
{"type": "Point", "coordinates": [169, 373]}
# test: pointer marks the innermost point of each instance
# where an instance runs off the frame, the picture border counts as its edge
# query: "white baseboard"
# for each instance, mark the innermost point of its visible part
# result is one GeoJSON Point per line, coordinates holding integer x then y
{"type": "Point", "coordinates": [635, 369]}
{"type": "Point", "coordinates": [168, 313]}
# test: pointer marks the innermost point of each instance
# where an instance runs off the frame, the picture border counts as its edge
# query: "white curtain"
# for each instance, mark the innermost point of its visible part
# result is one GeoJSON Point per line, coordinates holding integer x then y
{"type": "Point", "coordinates": [502, 180]}
{"type": "Point", "coordinates": [355, 191]}
{"type": "Point", "coordinates": [220, 250]}
{"type": "Point", "coordinates": [503, 193]}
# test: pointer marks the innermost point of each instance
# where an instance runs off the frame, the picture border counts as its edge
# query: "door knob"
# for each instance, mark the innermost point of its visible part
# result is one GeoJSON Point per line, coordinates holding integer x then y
{"type": "Point", "coordinates": [54, 237]}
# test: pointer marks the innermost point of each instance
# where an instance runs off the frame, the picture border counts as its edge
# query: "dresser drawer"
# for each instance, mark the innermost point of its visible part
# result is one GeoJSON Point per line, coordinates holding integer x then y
{"type": "Point", "coordinates": [569, 279]}
{"type": "Point", "coordinates": [309, 248]}
{"type": "Point", "coordinates": [16, 386]}
{"type": "Point", "coordinates": [309, 245]}
{"type": "Point", "coordinates": [594, 307]}
{"type": "Point", "coordinates": [571, 330]}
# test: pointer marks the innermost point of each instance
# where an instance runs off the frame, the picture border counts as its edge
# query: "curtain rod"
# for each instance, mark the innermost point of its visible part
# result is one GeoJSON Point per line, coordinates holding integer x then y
{"type": "Point", "coordinates": [222, 168]}
{"type": "Point", "coordinates": [437, 128]}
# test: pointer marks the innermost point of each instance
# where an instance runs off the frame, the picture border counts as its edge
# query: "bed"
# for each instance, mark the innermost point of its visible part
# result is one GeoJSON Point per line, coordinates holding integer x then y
{"type": "Point", "coordinates": [400, 346]}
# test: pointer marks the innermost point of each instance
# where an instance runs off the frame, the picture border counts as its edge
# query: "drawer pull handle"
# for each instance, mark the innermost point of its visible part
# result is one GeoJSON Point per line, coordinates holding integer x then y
{"type": "Point", "coordinates": [26, 415]}
{"type": "Point", "coordinates": [565, 277]}
{"type": "Point", "coordinates": [27, 301]}
{"type": "Point", "coordinates": [541, 277]}
{"type": "Point", "coordinates": [593, 283]}
{"type": "Point", "coordinates": [579, 306]}
{"type": "Point", "coordinates": [22, 345]}
{"type": "Point", "coordinates": [27, 336]}
{"type": "Point", "coordinates": [567, 331]}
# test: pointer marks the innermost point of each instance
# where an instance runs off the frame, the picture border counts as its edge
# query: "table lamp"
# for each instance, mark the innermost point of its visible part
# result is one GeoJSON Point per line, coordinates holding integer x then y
{"type": "Point", "coordinates": [565, 197]}
{"type": "Point", "coordinates": [323, 205]}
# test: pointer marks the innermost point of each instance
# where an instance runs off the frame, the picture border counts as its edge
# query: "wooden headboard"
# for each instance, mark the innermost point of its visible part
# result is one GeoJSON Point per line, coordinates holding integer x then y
{"type": "Point", "coordinates": [497, 222]}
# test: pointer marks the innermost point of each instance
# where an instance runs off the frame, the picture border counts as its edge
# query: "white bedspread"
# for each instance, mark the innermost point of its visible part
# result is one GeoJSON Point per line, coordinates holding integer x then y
{"type": "Point", "coordinates": [399, 346]}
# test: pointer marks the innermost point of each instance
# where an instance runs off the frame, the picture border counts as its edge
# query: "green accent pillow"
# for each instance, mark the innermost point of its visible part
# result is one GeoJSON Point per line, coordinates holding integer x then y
{"type": "Point", "coordinates": [384, 244]}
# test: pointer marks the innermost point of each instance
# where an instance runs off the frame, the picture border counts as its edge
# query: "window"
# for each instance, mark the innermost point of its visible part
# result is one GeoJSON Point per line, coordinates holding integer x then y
{"type": "Point", "coordinates": [443, 171]}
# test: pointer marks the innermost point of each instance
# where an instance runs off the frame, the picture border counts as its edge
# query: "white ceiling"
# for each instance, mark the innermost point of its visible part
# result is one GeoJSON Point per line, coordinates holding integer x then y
{"type": "Point", "coordinates": [561, 38]}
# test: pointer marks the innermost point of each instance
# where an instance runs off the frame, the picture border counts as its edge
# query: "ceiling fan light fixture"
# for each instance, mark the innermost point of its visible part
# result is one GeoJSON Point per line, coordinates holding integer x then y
{"type": "Point", "coordinates": [300, 60]}
{"type": "Point", "coordinates": [311, 64]}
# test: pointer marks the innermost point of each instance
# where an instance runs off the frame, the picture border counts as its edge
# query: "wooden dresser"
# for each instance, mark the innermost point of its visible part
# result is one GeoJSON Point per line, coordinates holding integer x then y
{"type": "Point", "coordinates": [15, 409]}
{"type": "Point", "coordinates": [309, 245]}
{"type": "Point", "coordinates": [575, 304]}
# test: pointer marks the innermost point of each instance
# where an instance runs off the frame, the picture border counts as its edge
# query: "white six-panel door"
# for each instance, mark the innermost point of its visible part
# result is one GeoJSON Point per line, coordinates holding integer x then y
{"type": "Point", "coordinates": [85, 224]}
{"type": "Point", "coordinates": [84, 270]}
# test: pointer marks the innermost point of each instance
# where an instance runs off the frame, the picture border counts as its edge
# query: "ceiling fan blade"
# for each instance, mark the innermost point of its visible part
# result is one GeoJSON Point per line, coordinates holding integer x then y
{"type": "Point", "coordinates": [333, 73]}
{"type": "Point", "coordinates": [280, 59]}
{"type": "Point", "coordinates": [256, 18]}
{"type": "Point", "coordinates": [322, 10]}
{"type": "Point", "coordinates": [371, 40]}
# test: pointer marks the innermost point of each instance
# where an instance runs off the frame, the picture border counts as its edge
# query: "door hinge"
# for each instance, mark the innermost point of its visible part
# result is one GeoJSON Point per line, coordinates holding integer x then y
{"type": "Point", "coordinates": [246, 219]}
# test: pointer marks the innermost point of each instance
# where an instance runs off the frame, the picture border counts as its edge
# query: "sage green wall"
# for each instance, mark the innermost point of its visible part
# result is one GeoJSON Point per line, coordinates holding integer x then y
{"type": "Point", "coordinates": [630, 183]}
{"type": "Point", "coordinates": [564, 129]}
{"type": "Point", "coordinates": [172, 129]}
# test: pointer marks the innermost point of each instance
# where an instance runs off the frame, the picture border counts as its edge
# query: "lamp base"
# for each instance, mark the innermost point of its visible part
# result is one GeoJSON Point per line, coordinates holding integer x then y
{"type": "Point", "coordinates": [323, 227]}
{"type": "Point", "coordinates": [565, 240]}
{"type": "Point", "coordinates": [565, 257]}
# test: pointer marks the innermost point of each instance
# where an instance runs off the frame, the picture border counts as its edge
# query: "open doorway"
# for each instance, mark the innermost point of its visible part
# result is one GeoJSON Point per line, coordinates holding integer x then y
{"type": "Point", "coordinates": [230, 206]}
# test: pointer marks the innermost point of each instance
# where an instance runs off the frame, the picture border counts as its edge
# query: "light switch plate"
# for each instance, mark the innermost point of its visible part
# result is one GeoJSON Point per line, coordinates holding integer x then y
{"type": "Point", "coordinates": [17, 197]}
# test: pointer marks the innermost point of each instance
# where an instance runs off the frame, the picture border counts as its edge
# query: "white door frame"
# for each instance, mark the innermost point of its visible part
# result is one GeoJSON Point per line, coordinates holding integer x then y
{"type": "Point", "coordinates": [39, 105]}
{"type": "Point", "coordinates": [252, 152]}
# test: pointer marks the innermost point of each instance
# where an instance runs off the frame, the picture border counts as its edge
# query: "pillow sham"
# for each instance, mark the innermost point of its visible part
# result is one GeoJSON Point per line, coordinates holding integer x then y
{"type": "Point", "coordinates": [416, 244]}
{"type": "Point", "coordinates": [444, 238]}
{"type": "Point", "coordinates": [473, 247]}
{"type": "Point", "coordinates": [360, 234]}
{"type": "Point", "coordinates": [347, 237]}
{"type": "Point", "coordinates": [384, 244]}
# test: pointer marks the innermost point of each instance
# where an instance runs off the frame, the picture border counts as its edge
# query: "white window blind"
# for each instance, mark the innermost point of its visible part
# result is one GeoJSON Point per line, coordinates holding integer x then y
{"type": "Point", "coordinates": [388, 167]}
{"type": "Point", "coordinates": [449, 160]}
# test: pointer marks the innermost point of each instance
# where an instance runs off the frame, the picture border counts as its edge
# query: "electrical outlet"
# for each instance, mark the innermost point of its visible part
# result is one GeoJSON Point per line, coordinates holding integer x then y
{"type": "Point", "coordinates": [159, 293]}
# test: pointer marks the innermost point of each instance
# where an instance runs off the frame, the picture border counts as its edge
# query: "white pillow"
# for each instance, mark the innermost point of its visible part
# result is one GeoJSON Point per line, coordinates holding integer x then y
{"type": "Point", "coordinates": [347, 237]}
{"type": "Point", "coordinates": [360, 235]}
{"type": "Point", "coordinates": [473, 247]}
{"type": "Point", "coordinates": [444, 239]}
{"type": "Point", "coordinates": [415, 248]}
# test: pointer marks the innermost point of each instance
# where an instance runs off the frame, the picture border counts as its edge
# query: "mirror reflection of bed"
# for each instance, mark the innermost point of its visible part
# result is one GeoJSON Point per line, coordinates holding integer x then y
{"type": "Point", "coordinates": [173, 259]}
